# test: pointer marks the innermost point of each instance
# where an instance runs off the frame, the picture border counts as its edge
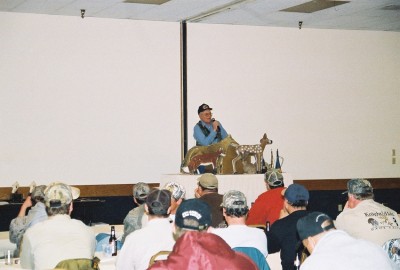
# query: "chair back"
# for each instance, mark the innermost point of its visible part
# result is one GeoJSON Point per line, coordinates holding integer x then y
{"type": "Point", "coordinates": [159, 256]}
{"type": "Point", "coordinates": [256, 255]}
{"type": "Point", "coordinates": [392, 249]}
{"type": "Point", "coordinates": [79, 264]}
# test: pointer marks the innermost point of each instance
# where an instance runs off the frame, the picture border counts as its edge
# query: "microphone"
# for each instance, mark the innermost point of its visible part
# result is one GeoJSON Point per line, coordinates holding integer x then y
{"type": "Point", "coordinates": [213, 120]}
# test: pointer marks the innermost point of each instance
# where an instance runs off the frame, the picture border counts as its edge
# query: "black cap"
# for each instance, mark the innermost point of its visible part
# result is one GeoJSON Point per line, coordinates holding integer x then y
{"type": "Point", "coordinates": [203, 107]}
{"type": "Point", "coordinates": [313, 224]}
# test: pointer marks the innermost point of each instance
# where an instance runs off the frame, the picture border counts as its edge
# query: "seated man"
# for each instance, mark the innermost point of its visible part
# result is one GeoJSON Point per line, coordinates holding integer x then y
{"type": "Point", "coordinates": [207, 190]}
{"type": "Point", "coordinates": [335, 249]}
{"type": "Point", "coordinates": [136, 218]}
{"type": "Point", "coordinates": [208, 130]}
{"type": "Point", "coordinates": [237, 234]}
{"type": "Point", "coordinates": [364, 218]}
{"type": "Point", "coordinates": [36, 214]}
{"type": "Point", "coordinates": [283, 234]}
{"type": "Point", "coordinates": [197, 249]}
{"type": "Point", "coordinates": [156, 236]}
{"type": "Point", "coordinates": [268, 205]}
{"type": "Point", "coordinates": [59, 237]}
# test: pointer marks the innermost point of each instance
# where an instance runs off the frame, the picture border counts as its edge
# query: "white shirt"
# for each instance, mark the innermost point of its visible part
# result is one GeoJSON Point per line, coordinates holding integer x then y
{"type": "Point", "coordinates": [338, 250]}
{"type": "Point", "coordinates": [54, 240]}
{"type": "Point", "coordinates": [371, 221]}
{"type": "Point", "coordinates": [142, 244]}
{"type": "Point", "coordinates": [243, 236]}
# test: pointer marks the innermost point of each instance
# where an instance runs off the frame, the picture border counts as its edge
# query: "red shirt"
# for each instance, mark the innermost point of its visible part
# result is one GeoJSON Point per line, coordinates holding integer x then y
{"type": "Point", "coordinates": [266, 207]}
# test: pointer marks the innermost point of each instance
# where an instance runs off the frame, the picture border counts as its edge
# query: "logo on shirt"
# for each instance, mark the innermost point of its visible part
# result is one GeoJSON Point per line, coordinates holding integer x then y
{"type": "Point", "coordinates": [381, 220]}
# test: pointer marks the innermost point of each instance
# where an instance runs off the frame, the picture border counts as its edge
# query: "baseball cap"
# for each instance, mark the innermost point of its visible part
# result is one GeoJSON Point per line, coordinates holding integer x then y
{"type": "Point", "coordinates": [313, 224]}
{"type": "Point", "coordinates": [141, 190]}
{"type": "Point", "coordinates": [295, 193]}
{"type": "Point", "coordinates": [177, 190]}
{"type": "Point", "coordinates": [234, 199]}
{"type": "Point", "coordinates": [273, 178]}
{"type": "Point", "coordinates": [359, 186]}
{"type": "Point", "coordinates": [158, 202]}
{"type": "Point", "coordinates": [203, 107]}
{"type": "Point", "coordinates": [193, 214]}
{"type": "Point", "coordinates": [208, 180]}
{"type": "Point", "coordinates": [58, 194]}
{"type": "Point", "coordinates": [38, 191]}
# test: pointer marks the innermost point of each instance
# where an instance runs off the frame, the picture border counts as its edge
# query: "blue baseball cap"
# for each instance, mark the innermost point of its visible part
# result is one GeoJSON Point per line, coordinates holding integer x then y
{"type": "Point", "coordinates": [295, 193]}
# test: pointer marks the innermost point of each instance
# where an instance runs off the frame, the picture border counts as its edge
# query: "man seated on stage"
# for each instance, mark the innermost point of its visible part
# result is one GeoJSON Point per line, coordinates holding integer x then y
{"type": "Point", "coordinates": [208, 130]}
{"type": "Point", "coordinates": [237, 234]}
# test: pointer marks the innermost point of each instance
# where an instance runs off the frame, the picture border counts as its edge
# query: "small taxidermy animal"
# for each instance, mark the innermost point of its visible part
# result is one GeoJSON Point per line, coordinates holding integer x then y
{"type": "Point", "coordinates": [248, 167]}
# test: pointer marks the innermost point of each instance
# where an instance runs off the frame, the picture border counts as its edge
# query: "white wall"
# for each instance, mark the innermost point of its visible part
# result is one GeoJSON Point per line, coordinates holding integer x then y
{"type": "Point", "coordinates": [94, 101]}
{"type": "Point", "coordinates": [329, 99]}
{"type": "Point", "coordinates": [88, 100]}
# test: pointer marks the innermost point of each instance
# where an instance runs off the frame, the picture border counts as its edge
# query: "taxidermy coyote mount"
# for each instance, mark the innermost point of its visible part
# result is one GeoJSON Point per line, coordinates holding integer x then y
{"type": "Point", "coordinates": [255, 150]}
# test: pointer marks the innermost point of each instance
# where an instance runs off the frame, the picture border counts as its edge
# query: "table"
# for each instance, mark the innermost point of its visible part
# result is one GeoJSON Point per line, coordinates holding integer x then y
{"type": "Point", "coordinates": [252, 185]}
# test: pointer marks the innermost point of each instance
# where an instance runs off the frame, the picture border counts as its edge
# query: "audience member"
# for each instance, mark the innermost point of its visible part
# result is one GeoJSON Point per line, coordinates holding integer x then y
{"type": "Point", "coordinates": [156, 236]}
{"type": "Point", "coordinates": [207, 190]}
{"type": "Point", "coordinates": [136, 218]}
{"type": "Point", "coordinates": [208, 130]}
{"type": "Point", "coordinates": [364, 218]}
{"type": "Point", "coordinates": [197, 249]}
{"type": "Point", "coordinates": [237, 234]}
{"type": "Point", "coordinates": [335, 249]}
{"type": "Point", "coordinates": [23, 221]}
{"type": "Point", "coordinates": [283, 234]}
{"type": "Point", "coordinates": [177, 196]}
{"type": "Point", "coordinates": [59, 237]}
{"type": "Point", "coordinates": [268, 205]}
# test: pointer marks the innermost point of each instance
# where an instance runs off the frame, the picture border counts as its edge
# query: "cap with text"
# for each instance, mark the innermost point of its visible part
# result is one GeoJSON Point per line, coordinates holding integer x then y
{"type": "Point", "coordinates": [193, 214]}
{"type": "Point", "coordinates": [203, 107]}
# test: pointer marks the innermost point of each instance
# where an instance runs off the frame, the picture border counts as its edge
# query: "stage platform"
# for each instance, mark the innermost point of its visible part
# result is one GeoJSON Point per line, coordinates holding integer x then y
{"type": "Point", "coordinates": [251, 185]}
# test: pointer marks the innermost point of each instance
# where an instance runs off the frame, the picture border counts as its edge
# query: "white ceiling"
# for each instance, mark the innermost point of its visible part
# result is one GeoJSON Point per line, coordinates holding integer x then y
{"type": "Point", "coordinates": [376, 15]}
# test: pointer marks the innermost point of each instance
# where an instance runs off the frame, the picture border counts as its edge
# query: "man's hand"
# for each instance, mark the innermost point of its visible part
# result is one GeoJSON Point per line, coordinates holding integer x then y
{"type": "Point", "coordinates": [215, 125]}
{"type": "Point", "coordinates": [27, 203]}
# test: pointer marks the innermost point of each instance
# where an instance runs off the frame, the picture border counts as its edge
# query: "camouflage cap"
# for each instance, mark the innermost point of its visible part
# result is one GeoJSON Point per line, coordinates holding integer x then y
{"type": "Point", "coordinates": [359, 186]}
{"type": "Point", "coordinates": [208, 180]}
{"type": "Point", "coordinates": [177, 190]}
{"type": "Point", "coordinates": [58, 194]}
{"type": "Point", "coordinates": [38, 191]}
{"type": "Point", "coordinates": [141, 190]}
{"type": "Point", "coordinates": [273, 178]}
{"type": "Point", "coordinates": [234, 199]}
